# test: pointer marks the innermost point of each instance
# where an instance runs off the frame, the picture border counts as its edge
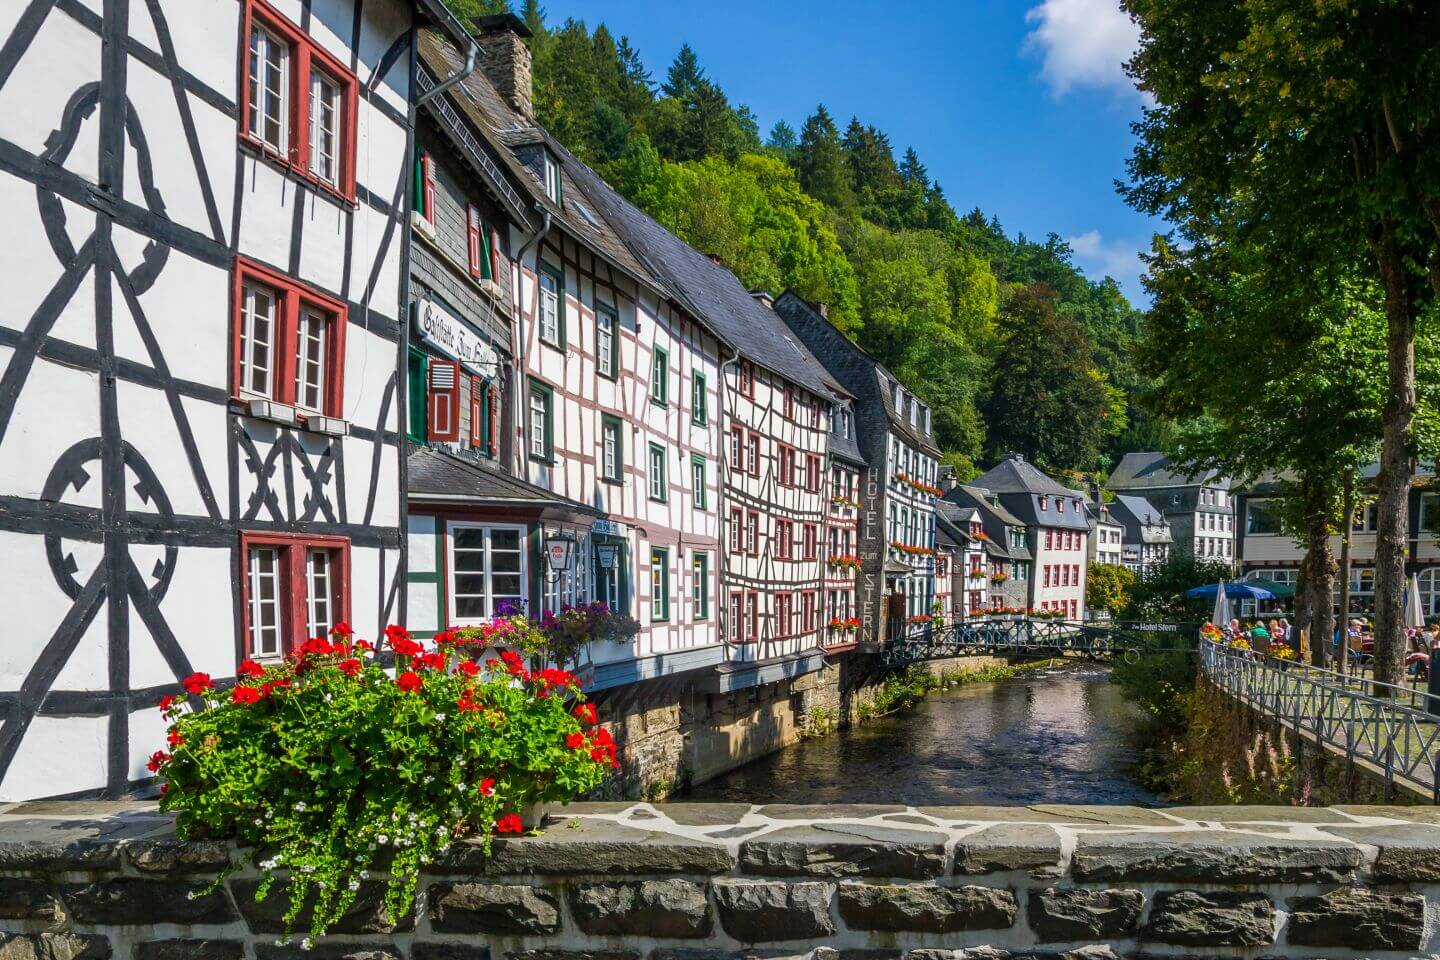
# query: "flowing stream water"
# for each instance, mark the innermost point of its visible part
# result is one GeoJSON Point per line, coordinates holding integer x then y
{"type": "Point", "coordinates": [1050, 735]}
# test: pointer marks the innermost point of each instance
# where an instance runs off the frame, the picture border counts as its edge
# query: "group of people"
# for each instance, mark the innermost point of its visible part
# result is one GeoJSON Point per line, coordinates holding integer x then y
{"type": "Point", "coordinates": [1419, 642]}
{"type": "Point", "coordinates": [1263, 634]}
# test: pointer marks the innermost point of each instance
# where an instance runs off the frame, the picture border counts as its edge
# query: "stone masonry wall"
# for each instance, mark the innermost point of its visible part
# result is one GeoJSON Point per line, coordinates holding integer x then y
{"type": "Point", "coordinates": [93, 881]}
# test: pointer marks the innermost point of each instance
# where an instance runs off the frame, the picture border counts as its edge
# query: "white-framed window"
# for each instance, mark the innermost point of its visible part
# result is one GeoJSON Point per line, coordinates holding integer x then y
{"type": "Point", "coordinates": [700, 585]}
{"type": "Point", "coordinates": [549, 308]}
{"type": "Point", "coordinates": [604, 342]}
{"type": "Point", "coordinates": [319, 591]}
{"type": "Point", "coordinates": [269, 89]}
{"type": "Point", "coordinates": [611, 454]}
{"type": "Point", "coordinates": [659, 485]}
{"type": "Point", "coordinates": [539, 425]}
{"type": "Point", "coordinates": [552, 178]}
{"type": "Point", "coordinates": [265, 619]}
{"type": "Point", "coordinates": [324, 127]}
{"type": "Point", "coordinates": [257, 338]}
{"type": "Point", "coordinates": [487, 567]}
{"type": "Point", "coordinates": [310, 359]}
{"type": "Point", "coordinates": [659, 584]}
{"type": "Point", "coordinates": [610, 581]}
{"type": "Point", "coordinates": [1430, 589]}
{"type": "Point", "coordinates": [699, 482]}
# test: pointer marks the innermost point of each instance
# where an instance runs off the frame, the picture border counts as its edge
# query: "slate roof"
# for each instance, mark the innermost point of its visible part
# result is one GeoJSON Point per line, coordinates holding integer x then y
{"type": "Point", "coordinates": [982, 497]}
{"type": "Point", "coordinates": [1137, 471]}
{"type": "Point", "coordinates": [1015, 474]}
{"type": "Point", "coordinates": [976, 499]}
{"type": "Point", "coordinates": [1143, 523]}
{"type": "Point", "coordinates": [436, 474]}
{"type": "Point", "coordinates": [712, 293]}
{"type": "Point", "coordinates": [498, 122]}
{"type": "Point", "coordinates": [847, 448]}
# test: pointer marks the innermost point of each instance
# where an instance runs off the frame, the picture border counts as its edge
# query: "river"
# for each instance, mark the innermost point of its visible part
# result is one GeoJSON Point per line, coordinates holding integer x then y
{"type": "Point", "coordinates": [1051, 735]}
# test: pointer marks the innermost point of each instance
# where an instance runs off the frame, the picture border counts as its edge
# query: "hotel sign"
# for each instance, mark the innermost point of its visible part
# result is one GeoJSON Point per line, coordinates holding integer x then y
{"type": "Point", "coordinates": [448, 334]}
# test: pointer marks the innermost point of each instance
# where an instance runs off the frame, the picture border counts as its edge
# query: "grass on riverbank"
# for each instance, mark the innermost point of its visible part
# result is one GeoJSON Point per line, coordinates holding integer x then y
{"type": "Point", "coordinates": [902, 690]}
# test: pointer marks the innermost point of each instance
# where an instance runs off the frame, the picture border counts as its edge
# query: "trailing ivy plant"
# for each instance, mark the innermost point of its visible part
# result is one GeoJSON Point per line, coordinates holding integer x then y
{"type": "Point", "coordinates": [330, 765]}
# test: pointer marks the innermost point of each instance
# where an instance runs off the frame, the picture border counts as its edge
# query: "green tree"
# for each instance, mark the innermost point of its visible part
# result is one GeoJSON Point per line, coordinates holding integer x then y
{"type": "Point", "coordinates": [1048, 400]}
{"type": "Point", "coordinates": [684, 78]}
{"type": "Point", "coordinates": [1108, 587]}
{"type": "Point", "coordinates": [1312, 127]}
{"type": "Point", "coordinates": [1159, 595]}
{"type": "Point", "coordinates": [822, 168]}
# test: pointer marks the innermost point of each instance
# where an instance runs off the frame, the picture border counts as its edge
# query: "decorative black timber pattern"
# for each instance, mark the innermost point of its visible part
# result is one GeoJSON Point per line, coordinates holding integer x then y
{"type": "Point", "coordinates": [294, 478]}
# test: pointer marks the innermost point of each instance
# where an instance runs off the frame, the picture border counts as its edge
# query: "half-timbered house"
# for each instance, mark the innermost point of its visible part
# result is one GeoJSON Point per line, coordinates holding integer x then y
{"type": "Point", "coordinates": [843, 532]}
{"type": "Point", "coordinates": [201, 363]}
{"type": "Point", "coordinates": [607, 469]}
{"type": "Point", "coordinates": [898, 502]}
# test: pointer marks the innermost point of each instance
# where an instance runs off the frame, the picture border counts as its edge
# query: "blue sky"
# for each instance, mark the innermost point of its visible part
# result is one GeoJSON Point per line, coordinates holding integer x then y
{"type": "Point", "coordinates": [1016, 106]}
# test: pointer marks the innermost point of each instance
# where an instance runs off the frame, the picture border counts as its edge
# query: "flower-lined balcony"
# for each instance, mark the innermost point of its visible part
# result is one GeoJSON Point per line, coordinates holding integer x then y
{"type": "Point", "coordinates": [840, 503]}
{"type": "Point", "coordinates": [918, 485]}
{"type": "Point", "coordinates": [910, 550]}
{"type": "Point", "coordinates": [844, 561]}
{"type": "Point", "coordinates": [843, 625]}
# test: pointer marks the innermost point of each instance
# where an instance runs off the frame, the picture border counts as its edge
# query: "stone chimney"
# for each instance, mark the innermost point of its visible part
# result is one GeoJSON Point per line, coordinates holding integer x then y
{"type": "Point", "coordinates": [764, 297]}
{"type": "Point", "coordinates": [505, 59]}
{"type": "Point", "coordinates": [946, 477]}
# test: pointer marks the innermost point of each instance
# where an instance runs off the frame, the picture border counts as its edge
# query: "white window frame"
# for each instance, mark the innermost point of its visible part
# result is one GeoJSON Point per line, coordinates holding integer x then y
{"type": "Point", "coordinates": [605, 322]}
{"type": "Point", "coordinates": [610, 460]}
{"type": "Point", "coordinates": [319, 592]}
{"type": "Point", "coordinates": [449, 585]}
{"type": "Point", "coordinates": [260, 61]}
{"type": "Point", "coordinates": [552, 178]}
{"type": "Point", "coordinates": [277, 649]}
{"type": "Point", "coordinates": [311, 331]}
{"type": "Point", "coordinates": [549, 308]}
{"type": "Point", "coordinates": [658, 485]}
{"type": "Point", "coordinates": [320, 101]}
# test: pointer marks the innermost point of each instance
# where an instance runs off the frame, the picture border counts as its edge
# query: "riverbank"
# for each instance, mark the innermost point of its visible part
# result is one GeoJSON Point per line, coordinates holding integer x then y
{"type": "Point", "coordinates": [1036, 733]}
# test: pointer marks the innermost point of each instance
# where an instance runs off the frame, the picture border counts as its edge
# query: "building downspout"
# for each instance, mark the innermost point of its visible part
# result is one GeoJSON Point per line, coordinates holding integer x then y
{"type": "Point", "coordinates": [472, 61]}
{"type": "Point", "coordinates": [517, 296]}
{"type": "Point", "coordinates": [723, 608]}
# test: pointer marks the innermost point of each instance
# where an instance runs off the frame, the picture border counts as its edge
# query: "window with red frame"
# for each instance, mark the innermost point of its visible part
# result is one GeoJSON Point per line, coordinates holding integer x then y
{"type": "Point", "coordinates": [1047, 574]}
{"type": "Point", "coordinates": [737, 448]}
{"type": "Point", "coordinates": [484, 417]}
{"type": "Point", "coordinates": [814, 414]}
{"type": "Point", "coordinates": [293, 588]}
{"type": "Point", "coordinates": [752, 533]}
{"type": "Point", "coordinates": [789, 403]}
{"type": "Point", "coordinates": [785, 465]}
{"type": "Point", "coordinates": [784, 615]}
{"type": "Point", "coordinates": [811, 537]}
{"type": "Point", "coordinates": [737, 523]}
{"type": "Point", "coordinates": [289, 342]}
{"type": "Point", "coordinates": [1049, 539]}
{"type": "Point", "coordinates": [807, 612]}
{"type": "Point", "coordinates": [752, 616]}
{"type": "Point", "coordinates": [752, 453]}
{"type": "Point", "coordinates": [477, 241]}
{"type": "Point", "coordinates": [299, 102]}
{"type": "Point", "coordinates": [747, 379]}
{"type": "Point", "coordinates": [784, 539]}
{"type": "Point", "coordinates": [737, 617]}
{"type": "Point", "coordinates": [812, 473]}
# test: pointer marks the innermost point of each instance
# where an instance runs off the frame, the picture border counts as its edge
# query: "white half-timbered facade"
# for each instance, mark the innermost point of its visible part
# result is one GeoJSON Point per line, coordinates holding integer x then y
{"type": "Point", "coordinates": [842, 559]}
{"type": "Point", "coordinates": [200, 436]}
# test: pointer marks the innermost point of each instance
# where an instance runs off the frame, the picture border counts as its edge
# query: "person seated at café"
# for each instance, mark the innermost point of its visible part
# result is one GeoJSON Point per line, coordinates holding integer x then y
{"type": "Point", "coordinates": [1259, 638]}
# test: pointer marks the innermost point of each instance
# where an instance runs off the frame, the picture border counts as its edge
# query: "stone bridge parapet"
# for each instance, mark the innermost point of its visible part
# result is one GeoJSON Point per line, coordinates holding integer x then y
{"type": "Point", "coordinates": [636, 881]}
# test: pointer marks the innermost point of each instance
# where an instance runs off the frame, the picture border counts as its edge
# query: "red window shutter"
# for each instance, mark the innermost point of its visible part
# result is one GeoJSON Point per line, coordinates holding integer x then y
{"type": "Point", "coordinates": [477, 411]}
{"type": "Point", "coordinates": [496, 258]}
{"type": "Point", "coordinates": [492, 400]}
{"type": "Point", "coordinates": [444, 399]}
{"type": "Point", "coordinates": [427, 169]}
{"type": "Point", "coordinates": [472, 239]}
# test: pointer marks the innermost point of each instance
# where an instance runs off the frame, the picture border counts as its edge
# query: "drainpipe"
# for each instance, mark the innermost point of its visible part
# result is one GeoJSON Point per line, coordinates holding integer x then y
{"type": "Point", "coordinates": [522, 420]}
{"type": "Point", "coordinates": [724, 598]}
{"type": "Point", "coordinates": [472, 60]}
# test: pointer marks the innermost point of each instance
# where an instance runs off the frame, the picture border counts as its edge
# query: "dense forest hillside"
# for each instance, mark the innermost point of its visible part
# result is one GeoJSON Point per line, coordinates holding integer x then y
{"type": "Point", "coordinates": [1013, 347]}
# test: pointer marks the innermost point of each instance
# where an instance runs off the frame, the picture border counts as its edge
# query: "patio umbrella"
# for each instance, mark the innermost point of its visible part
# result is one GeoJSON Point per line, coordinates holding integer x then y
{"type": "Point", "coordinates": [1414, 611]}
{"type": "Point", "coordinates": [1234, 590]}
{"type": "Point", "coordinates": [1221, 616]}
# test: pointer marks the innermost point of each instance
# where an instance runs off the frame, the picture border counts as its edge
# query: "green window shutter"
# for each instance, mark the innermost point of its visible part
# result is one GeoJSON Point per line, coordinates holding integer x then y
{"type": "Point", "coordinates": [415, 374]}
{"type": "Point", "coordinates": [487, 261]}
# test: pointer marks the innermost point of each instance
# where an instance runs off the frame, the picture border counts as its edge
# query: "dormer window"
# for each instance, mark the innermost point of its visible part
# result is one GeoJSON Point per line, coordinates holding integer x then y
{"type": "Point", "coordinates": [1060, 504]}
{"type": "Point", "coordinates": [552, 178]}
{"type": "Point", "coordinates": [926, 414]}
{"type": "Point", "coordinates": [899, 399]}
{"type": "Point", "coordinates": [1044, 503]}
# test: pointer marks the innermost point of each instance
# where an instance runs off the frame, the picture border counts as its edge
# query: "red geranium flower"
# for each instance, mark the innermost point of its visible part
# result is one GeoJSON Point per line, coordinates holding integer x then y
{"type": "Point", "coordinates": [341, 629]}
{"type": "Point", "coordinates": [157, 759]}
{"type": "Point", "coordinates": [174, 738]}
{"type": "Point", "coordinates": [244, 694]}
{"type": "Point", "coordinates": [510, 823]}
{"type": "Point", "coordinates": [409, 681]}
{"type": "Point", "coordinates": [513, 662]}
{"type": "Point", "coordinates": [364, 645]}
{"type": "Point", "coordinates": [350, 667]}
{"type": "Point", "coordinates": [585, 713]}
{"type": "Point", "coordinates": [445, 636]}
{"type": "Point", "coordinates": [487, 786]}
{"type": "Point", "coordinates": [168, 701]}
{"type": "Point", "coordinates": [249, 668]}
{"type": "Point", "coordinates": [467, 702]}
{"type": "Point", "coordinates": [467, 667]}
{"type": "Point", "coordinates": [197, 683]}
{"type": "Point", "coordinates": [575, 741]}
{"type": "Point", "coordinates": [434, 661]}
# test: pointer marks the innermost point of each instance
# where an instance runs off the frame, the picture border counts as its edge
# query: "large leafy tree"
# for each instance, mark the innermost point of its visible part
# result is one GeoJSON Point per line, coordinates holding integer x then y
{"type": "Point", "coordinates": [1048, 400]}
{"type": "Point", "coordinates": [1311, 128]}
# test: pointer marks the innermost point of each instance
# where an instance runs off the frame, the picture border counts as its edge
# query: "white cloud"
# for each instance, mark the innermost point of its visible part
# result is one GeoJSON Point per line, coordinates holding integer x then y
{"type": "Point", "coordinates": [1084, 43]}
{"type": "Point", "coordinates": [1101, 258]}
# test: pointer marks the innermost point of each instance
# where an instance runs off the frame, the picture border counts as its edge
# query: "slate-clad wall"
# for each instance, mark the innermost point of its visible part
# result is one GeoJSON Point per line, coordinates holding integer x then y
{"type": "Point", "coordinates": [626, 882]}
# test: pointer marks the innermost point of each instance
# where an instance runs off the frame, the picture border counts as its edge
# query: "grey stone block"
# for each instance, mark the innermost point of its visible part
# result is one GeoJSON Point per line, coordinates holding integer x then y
{"type": "Point", "coordinates": [1358, 919]}
{"type": "Point", "coordinates": [365, 915]}
{"type": "Point", "coordinates": [1032, 847]}
{"type": "Point", "coordinates": [505, 909]}
{"type": "Point", "coordinates": [327, 951]}
{"type": "Point", "coordinates": [1409, 852]}
{"type": "Point", "coordinates": [53, 946]}
{"type": "Point", "coordinates": [593, 847]}
{"type": "Point", "coordinates": [1200, 856]}
{"type": "Point", "coordinates": [174, 856]}
{"type": "Point", "coordinates": [426, 950]}
{"type": "Point", "coordinates": [1220, 918]}
{"type": "Point", "coordinates": [846, 850]}
{"type": "Point", "coordinates": [189, 950]}
{"type": "Point", "coordinates": [30, 844]}
{"type": "Point", "coordinates": [670, 908]}
{"type": "Point", "coordinates": [925, 908]}
{"type": "Point", "coordinates": [130, 902]}
{"type": "Point", "coordinates": [28, 898]}
{"type": "Point", "coordinates": [1061, 915]}
{"type": "Point", "coordinates": [549, 954]}
{"type": "Point", "coordinates": [756, 911]}
{"type": "Point", "coordinates": [827, 811]}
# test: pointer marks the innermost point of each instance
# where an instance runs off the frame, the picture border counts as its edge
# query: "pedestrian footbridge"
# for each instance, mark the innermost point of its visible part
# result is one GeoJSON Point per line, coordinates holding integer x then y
{"type": "Point", "coordinates": [1036, 638]}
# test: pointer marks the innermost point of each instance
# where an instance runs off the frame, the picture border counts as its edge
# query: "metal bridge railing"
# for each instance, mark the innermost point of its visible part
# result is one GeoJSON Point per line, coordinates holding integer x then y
{"type": "Point", "coordinates": [1026, 637]}
{"type": "Point", "coordinates": [1386, 725]}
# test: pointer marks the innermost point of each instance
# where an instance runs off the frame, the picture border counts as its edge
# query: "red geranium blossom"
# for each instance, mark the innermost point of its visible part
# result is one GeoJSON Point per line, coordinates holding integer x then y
{"type": "Point", "coordinates": [249, 668]}
{"type": "Point", "coordinates": [168, 701]}
{"type": "Point", "coordinates": [244, 694]}
{"type": "Point", "coordinates": [350, 667]}
{"type": "Point", "coordinates": [467, 702]}
{"type": "Point", "coordinates": [487, 786]}
{"type": "Point", "coordinates": [467, 667]}
{"type": "Point", "coordinates": [575, 741]}
{"type": "Point", "coordinates": [197, 683]}
{"type": "Point", "coordinates": [174, 738]}
{"type": "Point", "coordinates": [434, 661]}
{"type": "Point", "coordinates": [513, 662]}
{"type": "Point", "coordinates": [157, 759]}
{"type": "Point", "coordinates": [445, 637]}
{"type": "Point", "coordinates": [409, 681]}
{"type": "Point", "coordinates": [341, 629]}
{"type": "Point", "coordinates": [510, 823]}
{"type": "Point", "coordinates": [585, 713]}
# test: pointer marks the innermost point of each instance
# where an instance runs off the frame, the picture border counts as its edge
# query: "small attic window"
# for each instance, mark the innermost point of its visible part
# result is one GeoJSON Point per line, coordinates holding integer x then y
{"type": "Point", "coordinates": [552, 178]}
